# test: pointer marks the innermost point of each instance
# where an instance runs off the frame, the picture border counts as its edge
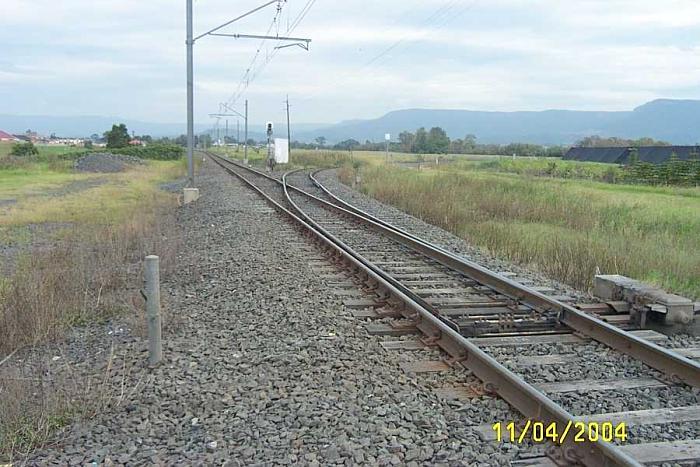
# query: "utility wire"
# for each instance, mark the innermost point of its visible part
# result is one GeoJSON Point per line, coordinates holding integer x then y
{"type": "Point", "coordinates": [245, 79]}
{"type": "Point", "coordinates": [250, 77]}
{"type": "Point", "coordinates": [443, 9]}
{"type": "Point", "coordinates": [438, 25]}
{"type": "Point", "coordinates": [441, 17]}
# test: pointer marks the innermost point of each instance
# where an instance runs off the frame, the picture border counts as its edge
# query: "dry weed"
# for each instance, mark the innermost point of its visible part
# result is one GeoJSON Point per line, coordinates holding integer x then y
{"type": "Point", "coordinates": [91, 274]}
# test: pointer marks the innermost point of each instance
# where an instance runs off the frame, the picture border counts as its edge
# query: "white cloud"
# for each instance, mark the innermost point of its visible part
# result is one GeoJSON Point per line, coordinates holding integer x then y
{"type": "Point", "coordinates": [499, 55]}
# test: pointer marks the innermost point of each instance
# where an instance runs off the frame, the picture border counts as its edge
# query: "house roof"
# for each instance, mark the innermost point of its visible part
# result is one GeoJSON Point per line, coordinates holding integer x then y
{"type": "Point", "coordinates": [4, 135]}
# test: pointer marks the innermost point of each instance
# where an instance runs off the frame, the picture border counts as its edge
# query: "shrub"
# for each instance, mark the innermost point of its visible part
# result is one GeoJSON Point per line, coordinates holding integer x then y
{"type": "Point", "coordinates": [673, 172]}
{"type": "Point", "coordinates": [14, 163]}
{"type": "Point", "coordinates": [24, 149]}
{"type": "Point", "coordinates": [158, 152]}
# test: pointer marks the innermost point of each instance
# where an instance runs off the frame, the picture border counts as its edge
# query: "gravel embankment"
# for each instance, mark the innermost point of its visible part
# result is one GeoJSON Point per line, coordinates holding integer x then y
{"type": "Point", "coordinates": [104, 162]}
{"type": "Point", "coordinates": [266, 367]}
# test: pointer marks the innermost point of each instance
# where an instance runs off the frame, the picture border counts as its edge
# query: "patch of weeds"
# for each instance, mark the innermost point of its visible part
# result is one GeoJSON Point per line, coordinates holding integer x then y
{"type": "Point", "coordinates": [15, 235]}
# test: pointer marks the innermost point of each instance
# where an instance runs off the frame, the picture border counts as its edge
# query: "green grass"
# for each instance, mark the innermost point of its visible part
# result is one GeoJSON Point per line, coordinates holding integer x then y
{"type": "Point", "coordinates": [544, 167]}
{"type": "Point", "coordinates": [5, 148]}
{"type": "Point", "coordinates": [35, 179]}
{"type": "Point", "coordinates": [109, 202]}
{"type": "Point", "coordinates": [568, 229]}
{"type": "Point", "coordinates": [44, 149]}
{"type": "Point", "coordinates": [56, 150]}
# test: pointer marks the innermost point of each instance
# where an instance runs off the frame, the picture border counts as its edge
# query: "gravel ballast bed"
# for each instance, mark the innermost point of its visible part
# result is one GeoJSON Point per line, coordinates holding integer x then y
{"type": "Point", "coordinates": [265, 366]}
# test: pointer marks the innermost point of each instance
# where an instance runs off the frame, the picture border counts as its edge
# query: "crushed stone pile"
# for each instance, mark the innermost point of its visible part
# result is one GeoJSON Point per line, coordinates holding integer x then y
{"type": "Point", "coordinates": [106, 162]}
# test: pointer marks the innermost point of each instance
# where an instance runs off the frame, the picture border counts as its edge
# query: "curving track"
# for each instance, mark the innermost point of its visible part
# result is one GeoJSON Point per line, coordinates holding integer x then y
{"type": "Point", "coordinates": [463, 309]}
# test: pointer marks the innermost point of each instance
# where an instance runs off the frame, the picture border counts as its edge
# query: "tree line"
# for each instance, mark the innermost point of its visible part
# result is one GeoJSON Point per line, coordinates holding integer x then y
{"type": "Point", "coordinates": [436, 141]}
{"type": "Point", "coordinates": [421, 141]}
{"type": "Point", "coordinates": [615, 142]}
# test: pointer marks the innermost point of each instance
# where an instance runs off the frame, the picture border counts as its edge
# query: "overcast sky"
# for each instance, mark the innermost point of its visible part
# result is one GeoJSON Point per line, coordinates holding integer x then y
{"type": "Point", "coordinates": [127, 58]}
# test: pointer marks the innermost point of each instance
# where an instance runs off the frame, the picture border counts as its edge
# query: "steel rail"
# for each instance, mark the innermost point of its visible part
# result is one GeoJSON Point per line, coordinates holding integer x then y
{"type": "Point", "coordinates": [496, 377]}
{"type": "Point", "coordinates": [677, 367]}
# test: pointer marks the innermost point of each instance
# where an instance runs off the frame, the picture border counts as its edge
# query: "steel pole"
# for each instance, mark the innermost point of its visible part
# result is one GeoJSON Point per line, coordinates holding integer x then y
{"type": "Point", "coordinates": [289, 132]}
{"type": "Point", "coordinates": [190, 97]}
{"type": "Point", "coordinates": [245, 151]}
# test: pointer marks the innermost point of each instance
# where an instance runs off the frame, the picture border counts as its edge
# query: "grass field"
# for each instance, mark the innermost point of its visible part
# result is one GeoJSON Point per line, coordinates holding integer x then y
{"type": "Point", "coordinates": [56, 205]}
{"type": "Point", "coordinates": [542, 167]}
{"type": "Point", "coordinates": [44, 149]}
{"type": "Point", "coordinates": [331, 158]}
{"type": "Point", "coordinates": [73, 243]}
{"type": "Point", "coordinates": [83, 198]}
{"type": "Point", "coordinates": [568, 229]}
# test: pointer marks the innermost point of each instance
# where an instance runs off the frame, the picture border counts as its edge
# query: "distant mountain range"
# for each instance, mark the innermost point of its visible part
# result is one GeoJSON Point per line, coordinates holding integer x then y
{"type": "Point", "coordinates": [675, 121]}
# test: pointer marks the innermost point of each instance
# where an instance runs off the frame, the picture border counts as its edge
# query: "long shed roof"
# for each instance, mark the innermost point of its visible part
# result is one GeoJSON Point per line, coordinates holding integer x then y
{"type": "Point", "coordinates": [609, 155]}
{"type": "Point", "coordinates": [621, 155]}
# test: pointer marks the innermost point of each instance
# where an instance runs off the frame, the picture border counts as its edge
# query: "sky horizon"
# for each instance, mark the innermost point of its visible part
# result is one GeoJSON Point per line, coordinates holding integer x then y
{"type": "Point", "coordinates": [127, 59]}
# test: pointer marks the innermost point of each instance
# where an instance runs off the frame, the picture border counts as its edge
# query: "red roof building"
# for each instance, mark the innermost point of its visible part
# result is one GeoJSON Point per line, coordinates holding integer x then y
{"type": "Point", "coordinates": [6, 136]}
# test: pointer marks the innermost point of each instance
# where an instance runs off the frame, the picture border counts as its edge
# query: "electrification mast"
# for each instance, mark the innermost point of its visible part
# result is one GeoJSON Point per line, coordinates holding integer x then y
{"type": "Point", "coordinates": [191, 40]}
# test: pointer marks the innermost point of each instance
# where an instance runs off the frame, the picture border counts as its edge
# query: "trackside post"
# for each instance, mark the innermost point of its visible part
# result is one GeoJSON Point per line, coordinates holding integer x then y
{"type": "Point", "coordinates": [152, 278]}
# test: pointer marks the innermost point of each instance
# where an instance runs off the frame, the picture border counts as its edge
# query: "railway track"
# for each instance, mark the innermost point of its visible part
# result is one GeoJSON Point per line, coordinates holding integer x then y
{"type": "Point", "coordinates": [471, 314]}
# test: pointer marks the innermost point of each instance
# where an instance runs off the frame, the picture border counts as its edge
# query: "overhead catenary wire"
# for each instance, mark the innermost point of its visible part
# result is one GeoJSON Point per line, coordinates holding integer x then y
{"type": "Point", "coordinates": [438, 23]}
{"type": "Point", "coordinates": [245, 79]}
{"type": "Point", "coordinates": [443, 9]}
{"type": "Point", "coordinates": [441, 17]}
{"type": "Point", "coordinates": [252, 73]}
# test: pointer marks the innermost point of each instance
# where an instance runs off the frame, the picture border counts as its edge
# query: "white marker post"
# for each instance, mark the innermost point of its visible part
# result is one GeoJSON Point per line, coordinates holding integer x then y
{"type": "Point", "coordinates": [387, 138]}
{"type": "Point", "coordinates": [152, 277]}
